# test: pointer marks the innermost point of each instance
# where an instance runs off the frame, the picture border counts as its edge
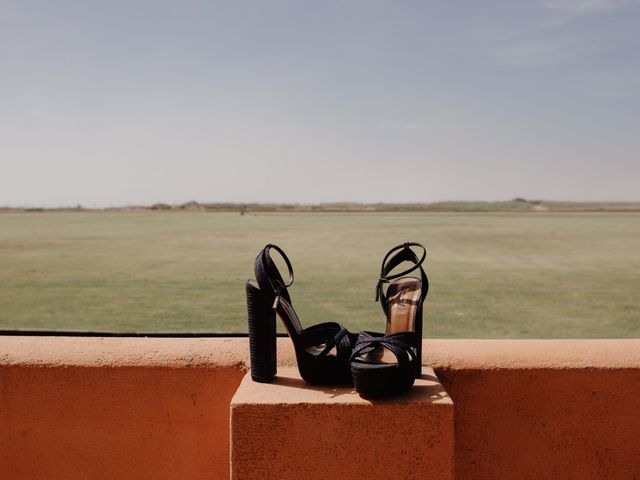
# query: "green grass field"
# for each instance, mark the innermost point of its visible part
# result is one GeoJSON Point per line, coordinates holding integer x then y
{"type": "Point", "coordinates": [515, 275]}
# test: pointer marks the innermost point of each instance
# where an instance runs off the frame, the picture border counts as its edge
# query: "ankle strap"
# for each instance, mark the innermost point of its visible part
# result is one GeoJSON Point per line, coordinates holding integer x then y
{"type": "Point", "coordinates": [268, 276]}
{"type": "Point", "coordinates": [404, 254]}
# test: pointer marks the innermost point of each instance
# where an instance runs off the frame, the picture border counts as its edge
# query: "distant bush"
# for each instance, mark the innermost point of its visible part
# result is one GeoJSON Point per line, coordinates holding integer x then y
{"type": "Point", "coordinates": [160, 206]}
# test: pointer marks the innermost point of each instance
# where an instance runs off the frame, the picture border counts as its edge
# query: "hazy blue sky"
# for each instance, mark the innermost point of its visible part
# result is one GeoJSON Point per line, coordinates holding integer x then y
{"type": "Point", "coordinates": [116, 102]}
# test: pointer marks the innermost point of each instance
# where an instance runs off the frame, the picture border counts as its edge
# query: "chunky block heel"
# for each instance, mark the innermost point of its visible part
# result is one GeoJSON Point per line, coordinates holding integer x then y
{"type": "Point", "coordinates": [262, 335]}
{"type": "Point", "coordinates": [419, 346]}
{"type": "Point", "coordinates": [386, 364]}
{"type": "Point", "coordinates": [322, 350]}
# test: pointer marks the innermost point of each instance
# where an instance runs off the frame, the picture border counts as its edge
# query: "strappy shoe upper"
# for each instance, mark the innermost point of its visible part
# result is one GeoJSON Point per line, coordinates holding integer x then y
{"type": "Point", "coordinates": [373, 369]}
{"type": "Point", "coordinates": [323, 350]}
{"type": "Point", "coordinates": [329, 336]}
{"type": "Point", "coordinates": [402, 345]}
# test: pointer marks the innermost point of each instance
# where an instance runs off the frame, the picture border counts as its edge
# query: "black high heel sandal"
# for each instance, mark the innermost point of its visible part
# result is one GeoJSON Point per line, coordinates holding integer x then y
{"type": "Point", "coordinates": [385, 364]}
{"type": "Point", "coordinates": [322, 351]}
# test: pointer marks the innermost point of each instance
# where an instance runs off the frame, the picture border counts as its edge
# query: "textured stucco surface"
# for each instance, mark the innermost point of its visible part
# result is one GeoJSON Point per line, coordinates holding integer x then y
{"type": "Point", "coordinates": [525, 354]}
{"type": "Point", "coordinates": [125, 423]}
{"type": "Point", "coordinates": [543, 409]}
{"type": "Point", "coordinates": [123, 352]}
{"type": "Point", "coordinates": [87, 408]}
{"type": "Point", "coordinates": [546, 424]}
{"type": "Point", "coordinates": [122, 408]}
{"type": "Point", "coordinates": [288, 430]}
{"type": "Point", "coordinates": [232, 352]}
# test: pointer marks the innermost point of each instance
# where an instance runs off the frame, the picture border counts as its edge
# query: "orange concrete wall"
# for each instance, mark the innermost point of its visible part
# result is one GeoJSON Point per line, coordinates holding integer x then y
{"type": "Point", "coordinates": [74, 408]}
{"type": "Point", "coordinates": [545, 409]}
{"type": "Point", "coordinates": [110, 408]}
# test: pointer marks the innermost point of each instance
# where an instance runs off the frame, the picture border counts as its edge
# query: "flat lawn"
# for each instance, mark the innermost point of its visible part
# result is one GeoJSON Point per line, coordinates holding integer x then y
{"type": "Point", "coordinates": [509, 275]}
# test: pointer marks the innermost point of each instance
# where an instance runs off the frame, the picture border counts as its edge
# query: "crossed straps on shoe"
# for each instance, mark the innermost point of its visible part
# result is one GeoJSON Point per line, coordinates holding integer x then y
{"type": "Point", "coordinates": [402, 345]}
{"type": "Point", "coordinates": [330, 334]}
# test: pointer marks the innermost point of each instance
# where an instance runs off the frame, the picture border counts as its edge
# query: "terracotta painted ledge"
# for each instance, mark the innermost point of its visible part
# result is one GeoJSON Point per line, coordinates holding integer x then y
{"type": "Point", "coordinates": [120, 408]}
{"type": "Point", "coordinates": [339, 434]}
{"type": "Point", "coordinates": [233, 352]}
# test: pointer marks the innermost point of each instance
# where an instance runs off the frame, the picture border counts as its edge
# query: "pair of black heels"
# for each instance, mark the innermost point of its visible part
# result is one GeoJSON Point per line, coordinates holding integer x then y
{"type": "Point", "coordinates": [327, 353]}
